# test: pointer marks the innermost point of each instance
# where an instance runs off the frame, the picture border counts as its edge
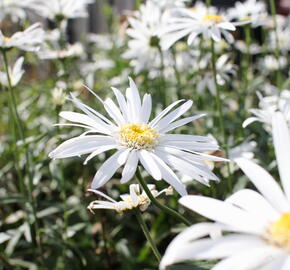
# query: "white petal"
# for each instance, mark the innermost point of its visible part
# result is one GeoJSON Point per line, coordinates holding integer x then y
{"type": "Point", "coordinates": [100, 150]}
{"type": "Point", "coordinates": [170, 177]}
{"type": "Point", "coordinates": [100, 126]}
{"type": "Point", "coordinates": [281, 138]}
{"type": "Point", "coordinates": [227, 26]}
{"type": "Point", "coordinates": [265, 183]}
{"type": "Point", "coordinates": [108, 169]}
{"type": "Point", "coordinates": [146, 108]}
{"type": "Point", "coordinates": [164, 112]}
{"type": "Point", "coordinates": [181, 122]}
{"type": "Point", "coordinates": [149, 164]}
{"type": "Point", "coordinates": [249, 121]}
{"type": "Point", "coordinates": [163, 123]}
{"type": "Point", "coordinates": [134, 101]}
{"type": "Point", "coordinates": [114, 111]}
{"type": "Point", "coordinates": [254, 203]}
{"type": "Point", "coordinates": [276, 264]}
{"type": "Point", "coordinates": [223, 212]}
{"type": "Point", "coordinates": [100, 193]}
{"type": "Point", "coordinates": [80, 145]}
{"type": "Point", "coordinates": [215, 34]}
{"type": "Point", "coordinates": [130, 167]}
{"type": "Point", "coordinates": [122, 103]}
{"type": "Point", "coordinates": [250, 259]}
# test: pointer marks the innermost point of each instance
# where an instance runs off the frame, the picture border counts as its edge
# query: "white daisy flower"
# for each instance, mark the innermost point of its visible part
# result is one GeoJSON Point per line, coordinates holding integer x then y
{"type": "Point", "coordinates": [252, 11]}
{"type": "Point", "coordinates": [205, 78]}
{"type": "Point", "coordinates": [268, 106]}
{"type": "Point", "coordinates": [137, 139]}
{"type": "Point", "coordinates": [144, 45]}
{"type": "Point", "coordinates": [200, 20]}
{"type": "Point", "coordinates": [14, 9]}
{"type": "Point", "coordinates": [71, 50]}
{"type": "Point", "coordinates": [15, 73]}
{"type": "Point", "coordinates": [135, 199]}
{"type": "Point", "coordinates": [60, 9]}
{"type": "Point", "coordinates": [28, 40]}
{"type": "Point", "coordinates": [259, 222]}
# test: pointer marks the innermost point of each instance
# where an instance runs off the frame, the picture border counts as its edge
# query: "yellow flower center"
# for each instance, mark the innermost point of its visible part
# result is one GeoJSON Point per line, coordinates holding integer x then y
{"type": "Point", "coordinates": [279, 231]}
{"type": "Point", "coordinates": [212, 18]}
{"type": "Point", "coordinates": [138, 136]}
{"type": "Point", "coordinates": [6, 38]}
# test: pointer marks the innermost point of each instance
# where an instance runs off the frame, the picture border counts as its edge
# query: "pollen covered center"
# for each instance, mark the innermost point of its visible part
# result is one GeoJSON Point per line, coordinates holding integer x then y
{"type": "Point", "coordinates": [212, 18]}
{"type": "Point", "coordinates": [279, 231]}
{"type": "Point", "coordinates": [138, 136]}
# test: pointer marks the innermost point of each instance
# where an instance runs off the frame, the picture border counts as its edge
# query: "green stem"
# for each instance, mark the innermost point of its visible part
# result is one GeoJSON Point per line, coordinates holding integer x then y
{"type": "Point", "coordinates": [165, 208]}
{"type": "Point", "coordinates": [220, 113]}
{"type": "Point", "coordinates": [177, 75]}
{"type": "Point", "coordinates": [247, 64]}
{"type": "Point", "coordinates": [164, 91]}
{"type": "Point", "coordinates": [147, 234]}
{"type": "Point", "coordinates": [277, 48]}
{"type": "Point", "coordinates": [17, 120]}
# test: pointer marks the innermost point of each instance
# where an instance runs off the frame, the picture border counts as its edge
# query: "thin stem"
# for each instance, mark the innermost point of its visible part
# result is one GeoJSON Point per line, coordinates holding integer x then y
{"type": "Point", "coordinates": [165, 208]}
{"type": "Point", "coordinates": [147, 234]}
{"type": "Point", "coordinates": [177, 74]}
{"type": "Point", "coordinates": [247, 63]}
{"type": "Point", "coordinates": [17, 120]}
{"type": "Point", "coordinates": [162, 78]}
{"type": "Point", "coordinates": [220, 112]}
{"type": "Point", "coordinates": [277, 48]}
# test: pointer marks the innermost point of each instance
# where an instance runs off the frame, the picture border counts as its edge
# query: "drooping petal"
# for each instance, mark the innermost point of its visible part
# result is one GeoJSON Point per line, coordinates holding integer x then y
{"type": "Point", "coordinates": [149, 164]}
{"type": "Point", "coordinates": [109, 167]}
{"type": "Point", "coordinates": [130, 167]}
{"type": "Point", "coordinates": [169, 176]}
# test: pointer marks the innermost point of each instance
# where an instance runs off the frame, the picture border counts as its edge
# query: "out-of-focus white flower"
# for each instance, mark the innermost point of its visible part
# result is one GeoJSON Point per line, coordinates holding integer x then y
{"type": "Point", "coordinates": [252, 11]}
{"type": "Point", "coordinates": [165, 4]}
{"type": "Point", "coordinates": [15, 73]}
{"type": "Point", "coordinates": [58, 94]}
{"type": "Point", "coordinates": [205, 78]}
{"type": "Point", "coordinates": [271, 63]}
{"type": "Point", "coordinates": [283, 35]}
{"type": "Point", "coordinates": [200, 20]}
{"type": "Point", "coordinates": [71, 50]}
{"type": "Point", "coordinates": [135, 199]}
{"type": "Point", "coordinates": [28, 40]}
{"type": "Point", "coordinates": [60, 9]}
{"type": "Point", "coordinates": [257, 224]}
{"type": "Point", "coordinates": [14, 9]}
{"type": "Point", "coordinates": [145, 42]}
{"type": "Point", "coordinates": [137, 139]}
{"type": "Point", "coordinates": [268, 106]}
{"type": "Point", "coordinates": [242, 46]}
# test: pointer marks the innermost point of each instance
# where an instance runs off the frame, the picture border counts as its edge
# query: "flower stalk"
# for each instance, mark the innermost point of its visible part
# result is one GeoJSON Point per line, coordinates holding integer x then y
{"type": "Point", "coordinates": [220, 113]}
{"type": "Point", "coordinates": [147, 234]}
{"type": "Point", "coordinates": [165, 208]}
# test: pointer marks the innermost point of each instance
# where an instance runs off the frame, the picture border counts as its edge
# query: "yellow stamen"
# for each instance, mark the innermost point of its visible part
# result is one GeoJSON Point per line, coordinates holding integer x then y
{"type": "Point", "coordinates": [138, 136]}
{"type": "Point", "coordinates": [279, 231]}
{"type": "Point", "coordinates": [212, 18]}
{"type": "Point", "coordinates": [6, 38]}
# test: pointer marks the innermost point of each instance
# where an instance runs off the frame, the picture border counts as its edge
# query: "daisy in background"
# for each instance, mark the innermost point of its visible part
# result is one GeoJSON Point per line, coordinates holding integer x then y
{"type": "Point", "coordinates": [250, 11]}
{"type": "Point", "coordinates": [70, 50]}
{"type": "Point", "coordinates": [13, 9]}
{"type": "Point", "coordinates": [16, 72]}
{"type": "Point", "coordinates": [28, 40]}
{"type": "Point", "coordinates": [268, 106]}
{"type": "Point", "coordinates": [258, 224]}
{"type": "Point", "coordinates": [135, 199]}
{"type": "Point", "coordinates": [60, 9]}
{"type": "Point", "coordinates": [144, 45]}
{"type": "Point", "coordinates": [192, 22]}
{"type": "Point", "coordinates": [136, 140]}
